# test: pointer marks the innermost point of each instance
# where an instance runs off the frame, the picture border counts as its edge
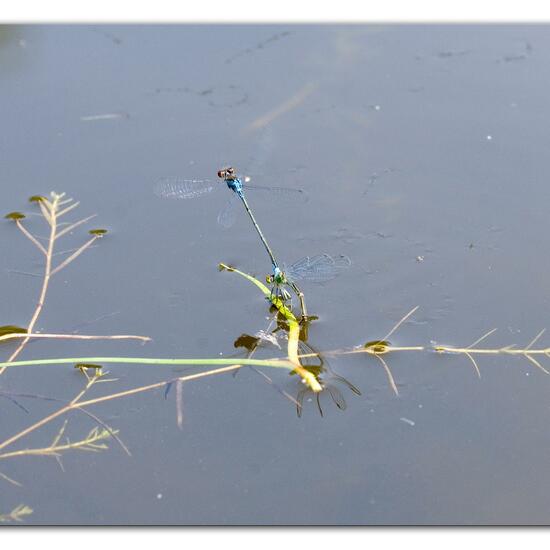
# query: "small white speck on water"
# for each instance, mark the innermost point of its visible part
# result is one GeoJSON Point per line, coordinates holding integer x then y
{"type": "Point", "coordinates": [372, 410]}
{"type": "Point", "coordinates": [420, 405]}
{"type": "Point", "coordinates": [526, 374]}
{"type": "Point", "coordinates": [221, 352]}
{"type": "Point", "coordinates": [377, 107]}
{"type": "Point", "coordinates": [407, 421]}
{"type": "Point", "coordinates": [159, 496]}
{"type": "Point", "coordinates": [489, 138]}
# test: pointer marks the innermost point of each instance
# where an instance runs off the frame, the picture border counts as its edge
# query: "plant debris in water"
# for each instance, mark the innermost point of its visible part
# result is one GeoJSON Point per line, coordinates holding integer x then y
{"type": "Point", "coordinates": [302, 359]}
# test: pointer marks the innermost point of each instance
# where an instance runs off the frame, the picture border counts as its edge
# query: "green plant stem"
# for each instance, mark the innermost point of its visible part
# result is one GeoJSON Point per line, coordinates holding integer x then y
{"type": "Point", "coordinates": [293, 331]}
{"type": "Point", "coordinates": [277, 363]}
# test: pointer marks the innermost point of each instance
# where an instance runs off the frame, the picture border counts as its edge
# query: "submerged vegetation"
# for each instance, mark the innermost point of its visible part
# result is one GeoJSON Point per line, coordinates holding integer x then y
{"type": "Point", "coordinates": [285, 332]}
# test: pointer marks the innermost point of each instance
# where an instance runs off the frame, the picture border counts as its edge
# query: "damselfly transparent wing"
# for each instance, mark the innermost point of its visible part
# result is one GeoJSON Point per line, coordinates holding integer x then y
{"type": "Point", "coordinates": [336, 396]}
{"type": "Point", "coordinates": [280, 194]}
{"type": "Point", "coordinates": [179, 188]}
{"type": "Point", "coordinates": [317, 269]}
{"type": "Point", "coordinates": [228, 214]}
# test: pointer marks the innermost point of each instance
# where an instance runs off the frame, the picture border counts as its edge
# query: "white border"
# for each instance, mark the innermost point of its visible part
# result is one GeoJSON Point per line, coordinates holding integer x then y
{"type": "Point", "coordinates": [250, 11]}
{"type": "Point", "coordinates": [288, 11]}
{"type": "Point", "coordinates": [278, 538]}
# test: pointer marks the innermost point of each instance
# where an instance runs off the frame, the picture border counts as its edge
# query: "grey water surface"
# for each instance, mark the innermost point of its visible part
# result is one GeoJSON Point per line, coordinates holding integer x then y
{"type": "Point", "coordinates": [423, 154]}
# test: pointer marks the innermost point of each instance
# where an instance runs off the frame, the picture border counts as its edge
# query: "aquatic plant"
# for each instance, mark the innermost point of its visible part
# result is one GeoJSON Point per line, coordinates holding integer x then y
{"type": "Point", "coordinates": [92, 367]}
{"type": "Point", "coordinates": [52, 211]}
{"type": "Point", "coordinates": [17, 514]}
{"type": "Point", "coordinates": [299, 358]}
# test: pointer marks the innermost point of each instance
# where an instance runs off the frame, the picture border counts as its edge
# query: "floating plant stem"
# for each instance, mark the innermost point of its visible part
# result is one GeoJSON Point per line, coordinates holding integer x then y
{"type": "Point", "coordinates": [528, 353]}
{"type": "Point", "coordinates": [293, 332]}
{"type": "Point", "coordinates": [30, 236]}
{"type": "Point", "coordinates": [51, 218]}
{"type": "Point", "coordinates": [75, 254]}
{"type": "Point", "coordinates": [90, 443]}
{"type": "Point", "coordinates": [17, 514]}
{"type": "Point", "coordinates": [51, 211]}
{"type": "Point", "coordinates": [276, 363]}
{"type": "Point", "coordinates": [15, 335]}
{"type": "Point", "coordinates": [77, 404]}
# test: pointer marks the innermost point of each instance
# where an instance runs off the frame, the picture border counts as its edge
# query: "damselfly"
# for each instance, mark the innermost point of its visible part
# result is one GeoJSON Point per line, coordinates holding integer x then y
{"type": "Point", "coordinates": [318, 268]}
{"type": "Point", "coordinates": [315, 269]}
{"type": "Point", "coordinates": [189, 189]}
{"type": "Point", "coordinates": [180, 188]}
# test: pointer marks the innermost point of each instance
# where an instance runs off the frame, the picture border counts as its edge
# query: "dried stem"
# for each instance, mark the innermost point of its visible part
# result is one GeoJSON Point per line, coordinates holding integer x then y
{"type": "Point", "coordinates": [527, 352]}
{"type": "Point", "coordinates": [16, 514]}
{"type": "Point", "coordinates": [389, 374]}
{"type": "Point", "coordinates": [49, 211]}
{"type": "Point", "coordinates": [75, 255]}
{"type": "Point", "coordinates": [76, 404]}
{"type": "Point", "coordinates": [14, 335]}
{"type": "Point", "coordinates": [89, 443]}
{"type": "Point", "coordinates": [70, 228]}
{"type": "Point", "coordinates": [30, 236]}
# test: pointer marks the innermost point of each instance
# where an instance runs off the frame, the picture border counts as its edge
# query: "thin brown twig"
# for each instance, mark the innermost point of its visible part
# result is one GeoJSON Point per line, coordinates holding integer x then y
{"type": "Point", "coordinates": [108, 428]}
{"type": "Point", "coordinates": [473, 363]}
{"type": "Point", "coordinates": [400, 322]}
{"type": "Point", "coordinates": [30, 236]}
{"type": "Point", "coordinates": [536, 363]}
{"type": "Point", "coordinates": [10, 480]}
{"type": "Point", "coordinates": [535, 339]}
{"type": "Point", "coordinates": [179, 404]}
{"type": "Point", "coordinates": [68, 209]}
{"type": "Point", "coordinates": [75, 403]}
{"type": "Point", "coordinates": [75, 255]}
{"type": "Point", "coordinates": [390, 376]}
{"type": "Point", "coordinates": [52, 219]}
{"type": "Point", "coordinates": [486, 335]}
{"type": "Point", "coordinates": [74, 226]}
{"type": "Point", "coordinates": [88, 443]}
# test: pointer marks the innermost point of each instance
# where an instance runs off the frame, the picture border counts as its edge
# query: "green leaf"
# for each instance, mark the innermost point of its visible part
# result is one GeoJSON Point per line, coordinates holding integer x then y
{"type": "Point", "coordinates": [14, 216]}
{"type": "Point", "coordinates": [12, 329]}
{"type": "Point", "coordinates": [377, 346]}
{"type": "Point", "coordinates": [85, 366]}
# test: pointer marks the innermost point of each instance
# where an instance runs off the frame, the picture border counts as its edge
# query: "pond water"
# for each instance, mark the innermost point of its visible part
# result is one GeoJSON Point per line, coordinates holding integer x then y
{"type": "Point", "coordinates": [422, 153]}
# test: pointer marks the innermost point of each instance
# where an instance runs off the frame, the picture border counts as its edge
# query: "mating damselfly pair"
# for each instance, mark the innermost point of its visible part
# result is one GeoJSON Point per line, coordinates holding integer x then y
{"type": "Point", "coordinates": [319, 268]}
